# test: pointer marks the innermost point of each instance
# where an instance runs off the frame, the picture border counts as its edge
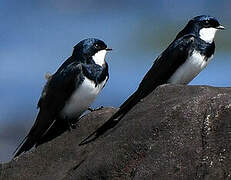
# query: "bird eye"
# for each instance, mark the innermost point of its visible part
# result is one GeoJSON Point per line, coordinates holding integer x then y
{"type": "Point", "coordinates": [96, 46]}
{"type": "Point", "coordinates": [206, 22]}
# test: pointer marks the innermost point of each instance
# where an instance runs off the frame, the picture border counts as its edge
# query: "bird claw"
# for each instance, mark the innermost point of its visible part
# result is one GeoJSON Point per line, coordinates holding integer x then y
{"type": "Point", "coordinates": [96, 109]}
{"type": "Point", "coordinates": [71, 125]}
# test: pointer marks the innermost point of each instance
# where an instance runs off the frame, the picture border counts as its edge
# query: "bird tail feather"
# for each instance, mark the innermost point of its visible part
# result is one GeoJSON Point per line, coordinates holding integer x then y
{"type": "Point", "coordinates": [115, 118]}
{"type": "Point", "coordinates": [41, 126]}
{"type": "Point", "coordinates": [25, 145]}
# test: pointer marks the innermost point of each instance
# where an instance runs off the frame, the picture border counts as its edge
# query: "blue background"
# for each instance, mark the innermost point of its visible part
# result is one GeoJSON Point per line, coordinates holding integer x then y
{"type": "Point", "coordinates": [37, 37]}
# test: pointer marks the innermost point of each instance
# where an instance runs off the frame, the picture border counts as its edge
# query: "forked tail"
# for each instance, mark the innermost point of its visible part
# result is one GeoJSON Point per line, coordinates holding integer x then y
{"type": "Point", "coordinates": [24, 146]}
{"type": "Point", "coordinates": [41, 126]}
{"type": "Point", "coordinates": [115, 118]}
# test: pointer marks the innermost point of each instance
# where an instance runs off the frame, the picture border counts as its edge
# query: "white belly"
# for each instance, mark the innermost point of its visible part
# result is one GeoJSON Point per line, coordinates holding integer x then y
{"type": "Point", "coordinates": [190, 69]}
{"type": "Point", "coordinates": [82, 98]}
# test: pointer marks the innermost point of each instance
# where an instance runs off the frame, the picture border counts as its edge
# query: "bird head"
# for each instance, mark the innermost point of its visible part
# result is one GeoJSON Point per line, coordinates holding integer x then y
{"type": "Point", "coordinates": [208, 26]}
{"type": "Point", "coordinates": [91, 49]}
{"type": "Point", "coordinates": [204, 26]}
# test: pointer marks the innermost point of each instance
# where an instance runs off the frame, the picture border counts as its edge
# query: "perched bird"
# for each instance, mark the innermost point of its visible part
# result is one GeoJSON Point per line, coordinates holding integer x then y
{"type": "Point", "coordinates": [184, 59]}
{"type": "Point", "coordinates": [69, 92]}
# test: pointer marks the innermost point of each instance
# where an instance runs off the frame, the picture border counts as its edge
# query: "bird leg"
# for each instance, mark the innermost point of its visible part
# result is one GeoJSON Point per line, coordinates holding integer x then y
{"type": "Point", "coordinates": [96, 109]}
{"type": "Point", "coordinates": [71, 124]}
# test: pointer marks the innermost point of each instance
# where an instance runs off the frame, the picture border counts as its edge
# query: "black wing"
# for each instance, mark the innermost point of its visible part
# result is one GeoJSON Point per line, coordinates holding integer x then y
{"type": "Point", "coordinates": [162, 69]}
{"type": "Point", "coordinates": [55, 93]}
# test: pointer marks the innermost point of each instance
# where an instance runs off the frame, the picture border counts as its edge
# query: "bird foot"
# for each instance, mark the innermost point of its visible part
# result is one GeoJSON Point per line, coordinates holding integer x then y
{"type": "Point", "coordinates": [96, 109]}
{"type": "Point", "coordinates": [71, 125]}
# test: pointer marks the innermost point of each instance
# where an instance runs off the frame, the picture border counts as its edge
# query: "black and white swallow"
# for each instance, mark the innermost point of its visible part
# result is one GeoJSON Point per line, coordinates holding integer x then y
{"type": "Point", "coordinates": [69, 92]}
{"type": "Point", "coordinates": [183, 60]}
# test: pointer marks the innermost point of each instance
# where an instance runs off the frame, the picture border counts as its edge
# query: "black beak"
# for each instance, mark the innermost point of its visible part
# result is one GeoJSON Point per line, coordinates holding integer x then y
{"type": "Point", "coordinates": [221, 27]}
{"type": "Point", "coordinates": [108, 49]}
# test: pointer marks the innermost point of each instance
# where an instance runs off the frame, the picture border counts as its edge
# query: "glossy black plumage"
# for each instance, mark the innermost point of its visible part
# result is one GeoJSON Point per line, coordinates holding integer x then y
{"type": "Point", "coordinates": [186, 42]}
{"type": "Point", "coordinates": [59, 88]}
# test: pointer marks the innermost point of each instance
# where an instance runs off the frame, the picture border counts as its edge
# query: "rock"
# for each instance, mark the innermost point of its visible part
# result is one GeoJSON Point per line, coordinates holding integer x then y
{"type": "Point", "coordinates": [177, 132]}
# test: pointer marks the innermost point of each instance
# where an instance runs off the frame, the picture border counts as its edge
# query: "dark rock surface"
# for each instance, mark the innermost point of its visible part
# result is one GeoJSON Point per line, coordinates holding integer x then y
{"type": "Point", "coordinates": [177, 132]}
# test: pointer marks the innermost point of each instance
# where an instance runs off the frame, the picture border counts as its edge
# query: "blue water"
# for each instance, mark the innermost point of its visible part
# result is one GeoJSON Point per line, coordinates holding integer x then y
{"type": "Point", "coordinates": [37, 36]}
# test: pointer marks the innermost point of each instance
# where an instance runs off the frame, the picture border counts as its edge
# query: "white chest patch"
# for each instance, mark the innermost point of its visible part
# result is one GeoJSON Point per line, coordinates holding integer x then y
{"type": "Point", "coordinates": [99, 57]}
{"type": "Point", "coordinates": [208, 34]}
{"type": "Point", "coordinates": [82, 98]}
{"type": "Point", "coordinates": [190, 69]}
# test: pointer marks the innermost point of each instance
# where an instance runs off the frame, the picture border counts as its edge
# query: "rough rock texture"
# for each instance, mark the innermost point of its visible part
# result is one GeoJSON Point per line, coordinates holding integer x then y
{"type": "Point", "coordinates": [177, 132]}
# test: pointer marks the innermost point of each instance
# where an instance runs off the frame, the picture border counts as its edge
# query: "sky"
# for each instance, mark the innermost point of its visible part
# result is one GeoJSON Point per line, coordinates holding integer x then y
{"type": "Point", "coordinates": [38, 36]}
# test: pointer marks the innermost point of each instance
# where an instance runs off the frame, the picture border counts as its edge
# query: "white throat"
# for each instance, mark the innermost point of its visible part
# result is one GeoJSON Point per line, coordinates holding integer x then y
{"type": "Point", "coordinates": [208, 34]}
{"type": "Point", "coordinates": [99, 57]}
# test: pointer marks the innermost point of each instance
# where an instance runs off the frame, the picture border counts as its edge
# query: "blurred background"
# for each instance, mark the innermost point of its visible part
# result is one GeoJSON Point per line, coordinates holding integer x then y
{"type": "Point", "coordinates": [37, 37]}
